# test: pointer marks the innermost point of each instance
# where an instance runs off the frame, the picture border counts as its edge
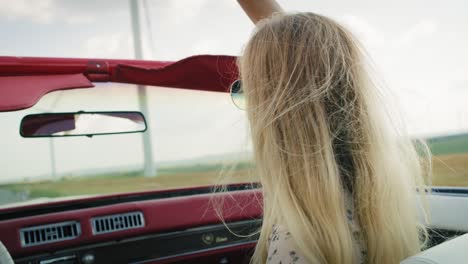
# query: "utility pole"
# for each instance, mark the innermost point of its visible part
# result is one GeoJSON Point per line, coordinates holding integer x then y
{"type": "Point", "coordinates": [52, 159]}
{"type": "Point", "coordinates": [53, 165]}
{"type": "Point", "coordinates": [149, 166]}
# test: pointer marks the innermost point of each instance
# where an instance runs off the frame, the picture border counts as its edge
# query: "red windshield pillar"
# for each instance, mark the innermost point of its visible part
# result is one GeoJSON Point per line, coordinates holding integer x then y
{"type": "Point", "coordinates": [98, 71]}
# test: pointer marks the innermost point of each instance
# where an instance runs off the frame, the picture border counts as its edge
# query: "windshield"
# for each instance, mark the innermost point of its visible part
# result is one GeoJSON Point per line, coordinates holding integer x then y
{"type": "Point", "coordinates": [420, 58]}
{"type": "Point", "coordinates": [188, 148]}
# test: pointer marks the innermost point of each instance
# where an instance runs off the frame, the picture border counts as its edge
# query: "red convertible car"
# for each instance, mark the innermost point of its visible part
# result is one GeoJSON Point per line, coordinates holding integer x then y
{"type": "Point", "coordinates": [66, 215]}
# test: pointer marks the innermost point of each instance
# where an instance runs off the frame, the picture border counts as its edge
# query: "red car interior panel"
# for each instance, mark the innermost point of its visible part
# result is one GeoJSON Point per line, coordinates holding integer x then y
{"type": "Point", "coordinates": [23, 81]}
{"type": "Point", "coordinates": [101, 200]}
{"type": "Point", "coordinates": [174, 220]}
{"type": "Point", "coordinates": [20, 92]}
{"type": "Point", "coordinates": [197, 73]}
{"type": "Point", "coordinates": [185, 246]}
{"type": "Point", "coordinates": [160, 215]}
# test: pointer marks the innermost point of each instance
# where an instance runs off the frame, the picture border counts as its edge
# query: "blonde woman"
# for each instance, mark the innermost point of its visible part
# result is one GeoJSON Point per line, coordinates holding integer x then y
{"type": "Point", "coordinates": [339, 182]}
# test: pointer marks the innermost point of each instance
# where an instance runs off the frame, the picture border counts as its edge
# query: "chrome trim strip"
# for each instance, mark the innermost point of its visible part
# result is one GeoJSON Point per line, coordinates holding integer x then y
{"type": "Point", "coordinates": [57, 260]}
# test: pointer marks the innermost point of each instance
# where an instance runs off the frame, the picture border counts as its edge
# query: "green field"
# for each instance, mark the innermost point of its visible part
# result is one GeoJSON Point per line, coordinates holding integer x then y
{"type": "Point", "coordinates": [198, 175]}
{"type": "Point", "coordinates": [450, 168]}
{"type": "Point", "coordinates": [450, 160]}
{"type": "Point", "coordinates": [448, 145]}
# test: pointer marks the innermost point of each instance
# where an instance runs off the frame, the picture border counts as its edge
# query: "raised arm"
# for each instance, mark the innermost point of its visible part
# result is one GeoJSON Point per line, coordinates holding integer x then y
{"type": "Point", "coordinates": [259, 9]}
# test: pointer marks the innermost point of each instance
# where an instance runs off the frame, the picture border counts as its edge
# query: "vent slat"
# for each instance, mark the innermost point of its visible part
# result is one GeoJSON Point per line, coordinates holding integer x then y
{"type": "Point", "coordinates": [117, 222]}
{"type": "Point", "coordinates": [30, 235]}
{"type": "Point", "coordinates": [26, 238]}
{"type": "Point", "coordinates": [137, 220]}
{"type": "Point", "coordinates": [59, 233]}
{"type": "Point", "coordinates": [37, 236]}
{"type": "Point", "coordinates": [43, 234]}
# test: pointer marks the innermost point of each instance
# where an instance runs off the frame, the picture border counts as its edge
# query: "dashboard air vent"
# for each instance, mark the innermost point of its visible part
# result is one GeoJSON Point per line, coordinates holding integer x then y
{"type": "Point", "coordinates": [43, 234]}
{"type": "Point", "coordinates": [117, 222]}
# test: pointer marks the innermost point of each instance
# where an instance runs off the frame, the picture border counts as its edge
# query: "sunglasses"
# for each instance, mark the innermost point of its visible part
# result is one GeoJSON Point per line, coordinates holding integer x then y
{"type": "Point", "coordinates": [237, 94]}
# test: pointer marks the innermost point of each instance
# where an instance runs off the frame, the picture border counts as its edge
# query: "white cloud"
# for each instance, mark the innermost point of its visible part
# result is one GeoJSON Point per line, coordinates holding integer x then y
{"type": "Point", "coordinates": [112, 45]}
{"type": "Point", "coordinates": [187, 9]}
{"type": "Point", "coordinates": [41, 11]}
{"type": "Point", "coordinates": [79, 19]}
{"type": "Point", "coordinates": [38, 11]}
{"type": "Point", "coordinates": [374, 37]}
{"type": "Point", "coordinates": [424, 28]}
{"type": "Point", "coordinates": [368, 34]}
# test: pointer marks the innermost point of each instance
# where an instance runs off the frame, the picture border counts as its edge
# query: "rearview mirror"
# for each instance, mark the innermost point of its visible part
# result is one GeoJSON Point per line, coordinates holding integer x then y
{"type": "Point", "coordinates": [82, 124]}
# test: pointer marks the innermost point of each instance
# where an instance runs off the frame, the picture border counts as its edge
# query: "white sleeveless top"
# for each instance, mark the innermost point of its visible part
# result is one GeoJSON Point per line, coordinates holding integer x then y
{"type": "Point", "coordinates": [281, 249]}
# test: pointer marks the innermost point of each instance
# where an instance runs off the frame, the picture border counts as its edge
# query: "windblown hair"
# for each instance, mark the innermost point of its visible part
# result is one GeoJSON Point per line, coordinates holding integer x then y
{"type": "Point", "coordinates": [318, 130]}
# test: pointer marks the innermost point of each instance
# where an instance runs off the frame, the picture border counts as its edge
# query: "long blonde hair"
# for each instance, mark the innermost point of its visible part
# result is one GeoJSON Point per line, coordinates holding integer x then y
{"type": "Point", "coordinates": [318, 130]}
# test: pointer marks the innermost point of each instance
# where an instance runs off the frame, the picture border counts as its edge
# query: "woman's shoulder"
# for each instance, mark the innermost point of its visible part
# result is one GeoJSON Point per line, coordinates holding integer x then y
{"type": "Point", "coordinates": [281, 247]}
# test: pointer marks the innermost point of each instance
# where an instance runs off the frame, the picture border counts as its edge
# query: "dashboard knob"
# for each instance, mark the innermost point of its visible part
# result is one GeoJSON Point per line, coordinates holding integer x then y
{"type": "Point", "coordinates": [87, 259]}
{"type": "Point", "coordinates": [208, 238]}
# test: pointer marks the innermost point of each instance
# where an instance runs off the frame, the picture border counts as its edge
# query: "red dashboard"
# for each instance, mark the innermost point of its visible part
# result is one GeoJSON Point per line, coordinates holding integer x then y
{"type": "Point", "coordinates": [157, 227]}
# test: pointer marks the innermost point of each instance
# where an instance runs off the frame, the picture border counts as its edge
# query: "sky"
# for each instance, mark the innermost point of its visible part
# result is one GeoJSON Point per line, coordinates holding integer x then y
{"type": "Point", "coordinates": [417, 47]}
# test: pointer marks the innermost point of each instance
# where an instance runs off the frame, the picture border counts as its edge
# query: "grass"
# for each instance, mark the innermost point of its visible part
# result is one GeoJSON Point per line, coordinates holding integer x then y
{"type": "Point", "coordinates": [132, 182]}
{"type": "Point", "coordinates": [450, 168]}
